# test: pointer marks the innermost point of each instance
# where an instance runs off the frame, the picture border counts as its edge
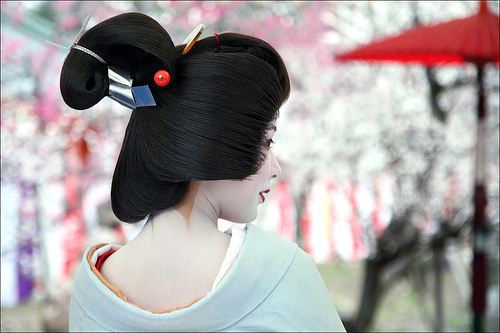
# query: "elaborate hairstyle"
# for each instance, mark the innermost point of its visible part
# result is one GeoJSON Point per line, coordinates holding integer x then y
{"type": "Point", "coordinates": [209, 122]}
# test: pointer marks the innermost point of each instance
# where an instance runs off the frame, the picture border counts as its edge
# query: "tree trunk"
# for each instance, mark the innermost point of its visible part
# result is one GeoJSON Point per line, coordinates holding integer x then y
{"type": "Point", "coordinates": [370, 296]}
{"type": "Point", "coordinates": [438, 289]}
{"type": "Point", "coordinates": [398, 240]}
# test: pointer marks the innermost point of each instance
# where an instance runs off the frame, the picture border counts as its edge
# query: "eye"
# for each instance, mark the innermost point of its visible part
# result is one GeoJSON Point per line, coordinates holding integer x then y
{"type": "Point", "coordinates": [268, 143]}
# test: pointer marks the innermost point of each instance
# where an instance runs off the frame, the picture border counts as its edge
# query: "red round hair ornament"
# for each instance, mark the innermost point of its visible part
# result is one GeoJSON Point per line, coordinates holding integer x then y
{"type": "Point", "coordinates": [162, 78]}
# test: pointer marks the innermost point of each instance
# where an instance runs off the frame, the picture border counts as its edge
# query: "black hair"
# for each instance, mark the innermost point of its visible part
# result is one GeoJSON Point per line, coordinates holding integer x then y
{"type": "Point", "coordinates": [209, 122]}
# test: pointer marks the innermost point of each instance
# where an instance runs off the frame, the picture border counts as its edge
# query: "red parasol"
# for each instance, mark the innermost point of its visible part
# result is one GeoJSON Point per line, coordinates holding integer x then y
{"type": "Point", "coordinates": [474, 39]}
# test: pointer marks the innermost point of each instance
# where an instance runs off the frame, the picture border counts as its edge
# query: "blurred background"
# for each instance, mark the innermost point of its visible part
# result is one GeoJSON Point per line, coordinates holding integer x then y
{"type": "Point", "coordinates": [378, 159]}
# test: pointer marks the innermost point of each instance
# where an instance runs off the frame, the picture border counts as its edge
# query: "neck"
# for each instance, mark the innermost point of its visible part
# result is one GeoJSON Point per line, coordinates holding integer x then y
{"type": "Point", "coordinates": [194, 219]}
{"type": "Point", "coordinates": [175, 258]}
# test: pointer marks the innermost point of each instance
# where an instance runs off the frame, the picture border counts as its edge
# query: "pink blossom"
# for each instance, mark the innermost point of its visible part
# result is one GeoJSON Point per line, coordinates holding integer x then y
{"type": "Point", "coordinates": [64, 5]}
{"type": "Point", "coordinates": [70, 22]}
{"type": "Point", "coordinates": [46, 106]}
{"type": "Point", "coordinates": [10, 46]}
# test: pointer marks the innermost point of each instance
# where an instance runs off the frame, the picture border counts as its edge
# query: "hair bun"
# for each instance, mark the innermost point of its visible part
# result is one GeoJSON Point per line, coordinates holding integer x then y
{"type": "Point", "coordinates": [133, 41]}
{"type": "Point", "coordinates": [84, 81]}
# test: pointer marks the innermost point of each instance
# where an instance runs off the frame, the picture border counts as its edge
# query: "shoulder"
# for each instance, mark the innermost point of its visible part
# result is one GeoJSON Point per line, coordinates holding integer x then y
{"type": "Point", "coordinates": [278, 247]}
{"type": "Point", "coordinates": [268, 241]}
{"type": "Point", "coordinates": [297, 298]}
{"type": "Point", "coordinates": [88, 278]}
{"type": "Point", "coordinates": [281, 262]}
{"type": "Point", "coordinates": [88, 289]}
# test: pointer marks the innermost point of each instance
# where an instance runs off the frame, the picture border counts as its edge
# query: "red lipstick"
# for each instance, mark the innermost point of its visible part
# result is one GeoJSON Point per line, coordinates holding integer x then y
{"type": "Point", "coordinates": [262, 195]}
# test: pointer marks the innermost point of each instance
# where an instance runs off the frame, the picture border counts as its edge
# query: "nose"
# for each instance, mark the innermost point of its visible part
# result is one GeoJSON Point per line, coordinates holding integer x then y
{"type": "Point", "coordinates": [275, 166]}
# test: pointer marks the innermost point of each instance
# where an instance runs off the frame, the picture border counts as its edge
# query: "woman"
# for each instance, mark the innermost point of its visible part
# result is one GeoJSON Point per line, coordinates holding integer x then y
{"type": "Point", "coordinates": [196, 149]}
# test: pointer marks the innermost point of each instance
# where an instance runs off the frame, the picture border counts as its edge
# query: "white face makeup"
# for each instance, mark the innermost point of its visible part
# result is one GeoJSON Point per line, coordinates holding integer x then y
{"type": "Point", "coordinates": [238, 200]}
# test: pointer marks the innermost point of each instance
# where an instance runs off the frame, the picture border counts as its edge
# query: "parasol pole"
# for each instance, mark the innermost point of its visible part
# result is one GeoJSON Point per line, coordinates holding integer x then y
{"type": "Point", "coordinates": [479, 224]}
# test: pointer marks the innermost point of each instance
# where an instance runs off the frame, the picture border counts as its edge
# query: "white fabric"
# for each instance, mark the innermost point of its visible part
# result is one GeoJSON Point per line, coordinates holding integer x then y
{"type": "Point", "coordinates": [103, 250]}
{"type": "Point", "coordinates": [237, 239]}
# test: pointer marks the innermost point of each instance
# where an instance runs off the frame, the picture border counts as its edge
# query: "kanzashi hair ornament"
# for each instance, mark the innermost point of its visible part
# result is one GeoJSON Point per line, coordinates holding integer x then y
{"type": "Point", "coordinates": [89, 52]}
{"type": "Point", "coordinates": [162, 78]}
{"type": "Point", "coordinates": [79, 47]}
{"type": "Point", "coordinates": [193, 37]}
{"type": "Point", "coordinates": [217, 37]}
{"type": "Point", "coordinates": [121, 90]}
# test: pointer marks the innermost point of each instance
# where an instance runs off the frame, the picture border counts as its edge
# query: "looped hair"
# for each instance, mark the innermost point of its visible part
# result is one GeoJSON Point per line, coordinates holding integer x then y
{"type": "Point", "coordinates": [209, 123]}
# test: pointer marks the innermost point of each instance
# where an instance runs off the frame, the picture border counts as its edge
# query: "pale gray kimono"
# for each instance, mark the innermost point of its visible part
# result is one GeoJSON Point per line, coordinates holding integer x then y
{"type": "Point", "coordinates": [272, 286]}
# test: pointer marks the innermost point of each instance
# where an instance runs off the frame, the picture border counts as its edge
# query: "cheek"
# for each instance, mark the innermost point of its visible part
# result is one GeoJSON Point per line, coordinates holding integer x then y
{"type": "Point", "coordinates": [241, 201]}
{"type": "Point", "coordinates": [245, 193]}
{"type": "Point", "coordinates": [265, 170]}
